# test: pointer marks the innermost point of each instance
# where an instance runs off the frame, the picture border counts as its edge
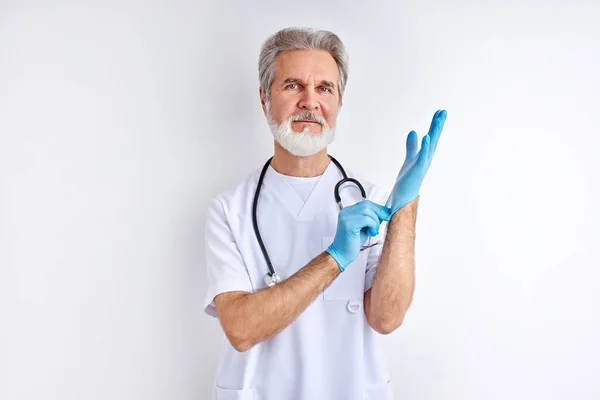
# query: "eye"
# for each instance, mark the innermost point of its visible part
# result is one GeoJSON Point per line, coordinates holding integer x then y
{"type": "Point", "coordinates": [290, 86]}
{"type": "Point", "coordinates": [326, 89]}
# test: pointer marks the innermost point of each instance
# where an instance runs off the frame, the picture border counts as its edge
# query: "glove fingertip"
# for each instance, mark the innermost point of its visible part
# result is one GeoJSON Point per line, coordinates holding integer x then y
{"type": "Point", "coordinates": [411, 139]}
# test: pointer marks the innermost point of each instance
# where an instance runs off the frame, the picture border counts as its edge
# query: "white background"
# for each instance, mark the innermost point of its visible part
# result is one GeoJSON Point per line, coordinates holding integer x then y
{"type": "Point", "coordinates": [119, 121]}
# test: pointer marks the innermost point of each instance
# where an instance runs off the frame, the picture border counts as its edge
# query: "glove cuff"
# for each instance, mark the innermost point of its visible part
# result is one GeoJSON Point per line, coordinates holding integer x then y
{"type": "Point", "coordinates": [333, 252]}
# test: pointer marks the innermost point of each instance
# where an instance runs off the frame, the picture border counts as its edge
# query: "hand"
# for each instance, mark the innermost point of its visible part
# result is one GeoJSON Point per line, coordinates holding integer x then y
{"type": "Point", "coordinates": [355, 224]}
{"type": "Point", "coordinates": [416, 164]}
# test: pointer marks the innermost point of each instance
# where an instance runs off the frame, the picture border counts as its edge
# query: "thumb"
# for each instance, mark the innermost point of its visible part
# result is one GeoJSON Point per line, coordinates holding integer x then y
{"type": "Point", "coordinates": [383, 213]}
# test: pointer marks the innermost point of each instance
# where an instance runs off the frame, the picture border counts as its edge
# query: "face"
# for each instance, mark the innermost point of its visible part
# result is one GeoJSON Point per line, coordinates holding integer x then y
{"type": "Point", "coordinates": [304, 101]}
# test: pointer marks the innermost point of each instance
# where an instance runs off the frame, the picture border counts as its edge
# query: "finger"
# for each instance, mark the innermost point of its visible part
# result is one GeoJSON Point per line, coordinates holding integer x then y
{"type": "Point", "coordinates": [370, 232]}
{"type": "Point", "coordinates": [375, 214]}
{"type": "Point", "coordinates": [424, 154]}
{"type": "Point", "coordinates": [372, 214]}
{"type": "Point", "coordinates": [371, 222]}
{"type": "Point", "coordinates": [382, 212]}
{"type": "Point", "coordinates": [412, 146]}
{"type": "Point", "coordinates": [434, 121]}
{"type": "Point", "coordinates": [368, 225]}
{"type": "Point", "coordinates": [435, 130]}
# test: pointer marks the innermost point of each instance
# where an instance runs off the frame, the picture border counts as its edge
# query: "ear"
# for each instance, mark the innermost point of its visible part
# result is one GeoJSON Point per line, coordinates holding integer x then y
{"type": "Point", "coordinates": [262, 100]}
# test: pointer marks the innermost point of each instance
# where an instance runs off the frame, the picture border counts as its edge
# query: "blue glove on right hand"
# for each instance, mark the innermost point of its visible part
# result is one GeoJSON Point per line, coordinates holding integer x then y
{"type": "Point", "coordinates": [355, 224]}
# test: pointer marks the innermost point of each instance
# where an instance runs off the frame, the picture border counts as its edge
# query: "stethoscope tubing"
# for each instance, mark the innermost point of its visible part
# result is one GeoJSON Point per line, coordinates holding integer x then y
{"type": "Point", "coordinates": [274, 278]}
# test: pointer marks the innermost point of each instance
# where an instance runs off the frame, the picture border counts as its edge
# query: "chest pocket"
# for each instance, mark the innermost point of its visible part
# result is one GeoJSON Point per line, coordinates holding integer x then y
{"type": "Point", "coordinates": [350, 284]}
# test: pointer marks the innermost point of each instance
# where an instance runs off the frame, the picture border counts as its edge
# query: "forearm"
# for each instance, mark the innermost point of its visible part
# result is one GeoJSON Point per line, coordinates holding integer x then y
{"type": "Point", "coordinates": [394, 281]}
{"type": "Point", "coordinates": [256, 317]}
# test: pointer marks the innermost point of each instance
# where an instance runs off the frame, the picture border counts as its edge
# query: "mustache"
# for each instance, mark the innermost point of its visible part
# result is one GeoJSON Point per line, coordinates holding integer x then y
{"type": "Point", "coordinates": [308, 116]}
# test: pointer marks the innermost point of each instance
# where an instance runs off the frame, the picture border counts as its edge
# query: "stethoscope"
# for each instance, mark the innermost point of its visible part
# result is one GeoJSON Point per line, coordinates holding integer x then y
{"type": "Point", "coordinates": [273, 278]}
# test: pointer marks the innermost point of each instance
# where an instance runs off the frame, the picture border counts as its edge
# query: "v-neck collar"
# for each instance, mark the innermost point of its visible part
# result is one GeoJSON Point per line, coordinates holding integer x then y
{"type": "Point", "coordinates": [275, 185]}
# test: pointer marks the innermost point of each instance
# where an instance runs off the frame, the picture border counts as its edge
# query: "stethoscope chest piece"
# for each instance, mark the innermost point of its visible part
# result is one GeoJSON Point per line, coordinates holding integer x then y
{"type": "Point", "coordinates": [272, 280]}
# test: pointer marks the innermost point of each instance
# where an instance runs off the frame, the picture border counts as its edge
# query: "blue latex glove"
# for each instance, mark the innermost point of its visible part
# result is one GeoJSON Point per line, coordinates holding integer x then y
{"type": "Point", "coordinates": [355, 224]}
{"type": "Point", "coordinates": [416, 164]}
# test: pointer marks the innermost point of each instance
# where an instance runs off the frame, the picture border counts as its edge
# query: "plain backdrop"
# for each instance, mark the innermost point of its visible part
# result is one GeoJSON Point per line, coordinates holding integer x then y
{"type": "Point", "coordinates": [120, 120]}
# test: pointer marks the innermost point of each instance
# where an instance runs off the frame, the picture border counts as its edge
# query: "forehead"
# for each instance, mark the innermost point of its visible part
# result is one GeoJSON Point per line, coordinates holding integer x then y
{"type": "Point", "coordinates": [306, 64]}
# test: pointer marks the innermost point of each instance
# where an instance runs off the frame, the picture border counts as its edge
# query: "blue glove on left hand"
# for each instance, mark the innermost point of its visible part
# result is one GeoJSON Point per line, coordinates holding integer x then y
{"type": "Point", "coordinates": [416, 164]}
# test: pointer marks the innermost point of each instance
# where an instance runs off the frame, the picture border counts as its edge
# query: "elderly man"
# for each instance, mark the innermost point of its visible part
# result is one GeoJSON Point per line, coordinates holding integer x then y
{"type": "Point", "coordinates": [305, 263]}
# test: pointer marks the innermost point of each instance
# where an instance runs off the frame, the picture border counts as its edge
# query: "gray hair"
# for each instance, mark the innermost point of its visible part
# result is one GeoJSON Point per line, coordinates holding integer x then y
{"type": "Point", "coordinates": [290, 39]}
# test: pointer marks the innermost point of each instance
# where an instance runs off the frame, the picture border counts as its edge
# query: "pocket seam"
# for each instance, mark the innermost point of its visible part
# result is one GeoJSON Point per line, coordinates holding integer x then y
{"type": "Point", "coordinates": [370, 390]}
{"type": "Point", "coordinates": [235, 394]}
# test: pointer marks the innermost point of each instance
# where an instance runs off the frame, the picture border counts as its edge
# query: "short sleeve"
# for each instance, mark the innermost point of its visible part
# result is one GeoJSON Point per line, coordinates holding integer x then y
{"type": "Point", "coordinates": [225, 266]}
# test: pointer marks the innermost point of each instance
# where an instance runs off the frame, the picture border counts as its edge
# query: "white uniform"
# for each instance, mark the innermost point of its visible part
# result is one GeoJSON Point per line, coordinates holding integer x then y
{"type": "Point", "coordinates": [329, 352]}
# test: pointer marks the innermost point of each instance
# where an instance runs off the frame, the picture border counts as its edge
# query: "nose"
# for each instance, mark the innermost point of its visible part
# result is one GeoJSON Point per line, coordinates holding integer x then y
{"type": "Point", "coordinates": [308, 101]}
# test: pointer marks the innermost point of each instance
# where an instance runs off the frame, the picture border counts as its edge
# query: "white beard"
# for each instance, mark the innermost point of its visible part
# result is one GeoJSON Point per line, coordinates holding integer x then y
{"type": "Point", "coordinates": [303, 143]}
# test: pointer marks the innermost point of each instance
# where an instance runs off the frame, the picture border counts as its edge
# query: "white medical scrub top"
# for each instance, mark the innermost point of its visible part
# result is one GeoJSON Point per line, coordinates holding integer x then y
{"type": "Point", "coordinates": [329, 352]}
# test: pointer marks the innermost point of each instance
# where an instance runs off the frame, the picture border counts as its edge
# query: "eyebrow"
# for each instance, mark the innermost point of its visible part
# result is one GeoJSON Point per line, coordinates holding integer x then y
{"type": "Point", "coordinates": [323, 82]}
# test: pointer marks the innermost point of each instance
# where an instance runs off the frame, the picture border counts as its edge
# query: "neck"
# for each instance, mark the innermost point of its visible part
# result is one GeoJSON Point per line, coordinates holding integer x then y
{"type": "Point", "coordinates": [286, 163]}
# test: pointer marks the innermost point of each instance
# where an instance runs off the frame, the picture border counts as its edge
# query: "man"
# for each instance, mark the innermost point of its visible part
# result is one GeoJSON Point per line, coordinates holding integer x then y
{"type": "Point", "coordinates": [300, 287]}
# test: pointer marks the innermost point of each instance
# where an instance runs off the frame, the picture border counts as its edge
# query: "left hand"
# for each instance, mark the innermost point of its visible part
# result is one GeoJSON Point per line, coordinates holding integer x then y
{"type": "Point", "coordinates": [416, 164]}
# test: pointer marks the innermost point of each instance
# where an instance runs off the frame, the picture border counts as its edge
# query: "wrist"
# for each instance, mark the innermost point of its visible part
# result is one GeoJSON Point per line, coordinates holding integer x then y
{"type": "Point", "coordinates": [332, 251]}
{"type": "Point", "coordinates": [403, 222]}
{"type": "Point", "coordinates": [408, 207]}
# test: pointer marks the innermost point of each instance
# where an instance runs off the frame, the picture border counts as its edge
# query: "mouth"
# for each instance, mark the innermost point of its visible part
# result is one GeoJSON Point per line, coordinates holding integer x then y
{"type": "Point", "coordinates": [307, 122]}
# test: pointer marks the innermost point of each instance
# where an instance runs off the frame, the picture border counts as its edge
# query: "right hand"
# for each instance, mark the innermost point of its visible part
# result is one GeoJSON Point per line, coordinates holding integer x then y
{"type": "Point", "coordinates": [355, 224]}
